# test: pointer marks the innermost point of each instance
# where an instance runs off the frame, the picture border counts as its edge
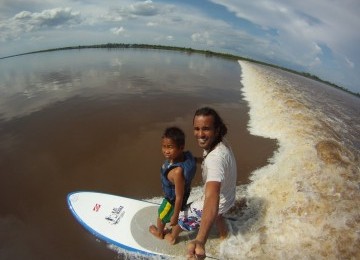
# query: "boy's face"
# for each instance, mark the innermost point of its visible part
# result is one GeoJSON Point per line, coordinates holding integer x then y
{"type": "Point", "coordinates": [170, 150]}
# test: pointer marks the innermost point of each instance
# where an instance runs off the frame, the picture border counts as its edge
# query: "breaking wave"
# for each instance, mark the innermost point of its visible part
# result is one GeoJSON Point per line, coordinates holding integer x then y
{"type": "Point", "coordinates": [305, 203]}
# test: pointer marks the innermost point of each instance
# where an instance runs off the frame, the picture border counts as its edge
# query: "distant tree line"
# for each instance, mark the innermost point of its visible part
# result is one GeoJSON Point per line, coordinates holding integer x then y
{"type": "Point", "coordinates": [182, 49]}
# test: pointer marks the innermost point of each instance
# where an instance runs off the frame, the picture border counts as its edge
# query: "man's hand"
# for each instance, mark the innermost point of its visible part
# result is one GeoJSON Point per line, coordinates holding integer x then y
{"type": "Point", "coordinates": [195, 250]}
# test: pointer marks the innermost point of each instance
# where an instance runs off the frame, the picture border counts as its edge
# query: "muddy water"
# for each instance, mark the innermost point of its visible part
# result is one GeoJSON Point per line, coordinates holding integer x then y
{"type": "Point", "coordinates": [92, 120]}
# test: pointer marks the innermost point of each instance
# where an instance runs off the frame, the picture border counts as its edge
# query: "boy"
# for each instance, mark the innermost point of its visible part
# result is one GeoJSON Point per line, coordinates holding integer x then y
{"type": "Point", "coordinates": [177, 173]}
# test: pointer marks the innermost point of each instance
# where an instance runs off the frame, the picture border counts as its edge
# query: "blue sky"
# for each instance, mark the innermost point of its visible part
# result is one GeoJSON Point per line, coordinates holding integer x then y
{"type": "Point", "coordinates": [320, 37]}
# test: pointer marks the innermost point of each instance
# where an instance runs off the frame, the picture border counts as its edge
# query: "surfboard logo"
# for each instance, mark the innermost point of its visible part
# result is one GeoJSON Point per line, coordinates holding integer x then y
{"type": "Point", "coordinates": [97, 207]}
{"type": "Point", "coordinates": [115, 215]}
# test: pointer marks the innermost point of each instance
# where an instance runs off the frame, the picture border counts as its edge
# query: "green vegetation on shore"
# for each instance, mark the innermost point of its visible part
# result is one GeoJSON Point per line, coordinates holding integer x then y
{"type": "Point", "coordinates": [186, 50]}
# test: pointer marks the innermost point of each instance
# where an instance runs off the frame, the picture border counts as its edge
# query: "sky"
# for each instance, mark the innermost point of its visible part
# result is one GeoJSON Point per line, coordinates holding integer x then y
{"type": "Point", "coordinates": [320, 37]}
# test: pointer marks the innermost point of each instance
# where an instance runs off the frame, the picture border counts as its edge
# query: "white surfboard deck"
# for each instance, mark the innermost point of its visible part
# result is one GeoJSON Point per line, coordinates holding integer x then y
{"type": "Point", "coordinates": [124, 222]}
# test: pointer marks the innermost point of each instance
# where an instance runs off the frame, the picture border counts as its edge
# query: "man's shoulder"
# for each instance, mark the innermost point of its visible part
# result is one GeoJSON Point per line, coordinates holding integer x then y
{"type": "Point", "coordinates": [222, 149]}
{"type": "Point", "coordinates": [222, 153]}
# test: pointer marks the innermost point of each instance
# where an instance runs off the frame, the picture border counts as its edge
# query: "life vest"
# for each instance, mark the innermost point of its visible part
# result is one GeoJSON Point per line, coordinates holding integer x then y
{"type": "Point", "coordinates": [189, 169]}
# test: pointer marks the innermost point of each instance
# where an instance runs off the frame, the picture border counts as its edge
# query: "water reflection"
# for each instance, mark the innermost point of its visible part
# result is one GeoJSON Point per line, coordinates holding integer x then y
{"type": "Point", "coordinates": [45, 81]}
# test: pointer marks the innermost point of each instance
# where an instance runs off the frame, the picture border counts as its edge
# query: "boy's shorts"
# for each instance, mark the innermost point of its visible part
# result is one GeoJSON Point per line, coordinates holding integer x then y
{"type": "Point", "coordinates": [165, 211]}
{"type": "Point", "coordinates": [190, 218]}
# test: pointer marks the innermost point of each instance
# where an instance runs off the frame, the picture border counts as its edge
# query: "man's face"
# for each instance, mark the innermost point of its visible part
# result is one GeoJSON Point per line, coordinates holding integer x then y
{"type": "Point", "coordinates": [204, 131]}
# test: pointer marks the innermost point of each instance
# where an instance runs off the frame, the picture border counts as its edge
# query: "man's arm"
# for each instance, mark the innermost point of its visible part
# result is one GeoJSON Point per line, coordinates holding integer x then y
{"type": "Point", "coordinates": [209, 214]}
{"type": "Point", "coordinates": [210, 209]}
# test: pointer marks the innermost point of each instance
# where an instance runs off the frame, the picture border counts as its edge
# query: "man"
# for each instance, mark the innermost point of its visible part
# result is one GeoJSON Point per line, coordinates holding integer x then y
{"type": "Point", "coordinates": [219, 176]}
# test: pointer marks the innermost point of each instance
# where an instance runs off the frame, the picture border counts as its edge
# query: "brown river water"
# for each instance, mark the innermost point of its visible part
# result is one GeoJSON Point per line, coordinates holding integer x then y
{"type": "Point", "coordinates": [92, 120]}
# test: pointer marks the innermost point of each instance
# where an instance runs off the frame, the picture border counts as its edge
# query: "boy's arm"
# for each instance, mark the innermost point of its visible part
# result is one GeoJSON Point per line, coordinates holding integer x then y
{"type": "Point", "coordinates": [176, 176]}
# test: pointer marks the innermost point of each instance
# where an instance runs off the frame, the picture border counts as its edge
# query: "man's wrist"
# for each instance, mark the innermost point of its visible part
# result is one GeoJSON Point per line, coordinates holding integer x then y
{"type": "Point", "coordinates": [199, 241]}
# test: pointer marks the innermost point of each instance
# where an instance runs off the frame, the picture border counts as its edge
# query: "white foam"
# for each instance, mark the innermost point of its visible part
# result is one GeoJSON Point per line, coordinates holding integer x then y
{"type": "Point", "coordinates": [306, 202]}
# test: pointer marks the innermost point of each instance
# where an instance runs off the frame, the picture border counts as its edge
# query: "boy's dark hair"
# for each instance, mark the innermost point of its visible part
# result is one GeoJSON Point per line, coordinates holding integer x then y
{"type": "Point", "coordinates": [219, 125]}
{"type": "Point", "coordinates": [176, 134]}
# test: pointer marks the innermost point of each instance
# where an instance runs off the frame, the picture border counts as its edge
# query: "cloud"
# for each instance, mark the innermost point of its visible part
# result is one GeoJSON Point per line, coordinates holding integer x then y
{"type": "Point", "coordinates": [315, 62]}
{"type": "Point", "coordinates": [349, 63]}
{"type": "Point", "coordinates": [25, 22]}
{"type": "Point", "coordinates": [146, 8]}
{"type": "Point", "coordinates": [151, 24]}
{"type": "Point", "coordinates": [132, 11]}
{"type": "Point", "coordinates": [301, 28]}
{"type": "Point", "coordinates": [117, 31]}
{"type": "Point", "coordinates": [202, 38]}
{"type": "Point", "coordinates": [49, 18]}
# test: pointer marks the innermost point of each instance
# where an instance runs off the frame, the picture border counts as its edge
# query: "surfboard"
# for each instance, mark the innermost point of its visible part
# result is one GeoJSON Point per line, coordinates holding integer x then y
{"type": "Point", "coordinates": [123, 222]}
